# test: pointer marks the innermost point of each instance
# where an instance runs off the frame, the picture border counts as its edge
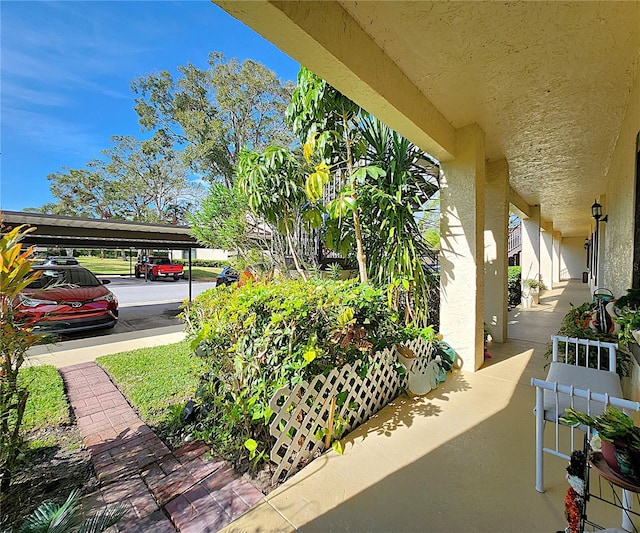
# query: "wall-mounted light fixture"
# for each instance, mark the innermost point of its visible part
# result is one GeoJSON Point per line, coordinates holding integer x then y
{"type": "Point", "coordinates": [596, 213]}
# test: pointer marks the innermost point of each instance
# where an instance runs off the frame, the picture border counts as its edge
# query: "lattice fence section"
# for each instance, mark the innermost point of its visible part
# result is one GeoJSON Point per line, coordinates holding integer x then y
{"type": "Point", "coordinates": [301, 412]}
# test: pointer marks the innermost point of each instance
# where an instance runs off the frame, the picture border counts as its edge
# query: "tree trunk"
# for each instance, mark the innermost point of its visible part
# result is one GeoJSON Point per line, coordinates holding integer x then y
{"type": "Point", "coordinates": [295, 256]}
{"type": "Point", "coordinates": [360, 255]}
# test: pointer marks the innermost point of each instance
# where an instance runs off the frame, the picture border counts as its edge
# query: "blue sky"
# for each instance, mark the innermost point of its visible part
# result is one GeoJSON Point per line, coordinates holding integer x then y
{"type": "Point", "coordinates": [66, 73]}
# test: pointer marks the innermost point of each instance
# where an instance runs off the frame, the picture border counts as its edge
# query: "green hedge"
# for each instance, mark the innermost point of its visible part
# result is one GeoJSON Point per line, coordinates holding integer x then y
{"type": "Point", "coordinates": [260, 337]}
{"type": "Point", "coordinates": [212, 263]}
{"type": "Point", "coordinates": [514, 285]}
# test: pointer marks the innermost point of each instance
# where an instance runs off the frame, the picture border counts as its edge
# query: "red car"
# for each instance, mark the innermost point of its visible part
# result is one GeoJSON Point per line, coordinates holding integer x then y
{"type": "Point", "coordinates": [66, 299]}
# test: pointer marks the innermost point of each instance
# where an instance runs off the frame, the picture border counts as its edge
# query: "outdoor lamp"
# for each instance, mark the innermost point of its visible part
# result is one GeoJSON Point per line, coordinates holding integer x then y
{"type": "Point", "coordinates": [596, 210]}
{"type": "Point", "coordinates": [586, 243]}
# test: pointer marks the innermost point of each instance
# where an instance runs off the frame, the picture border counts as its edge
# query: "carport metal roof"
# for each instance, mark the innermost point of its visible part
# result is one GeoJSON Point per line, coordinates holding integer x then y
{"type": "Point", "coordinates": [75, 232]}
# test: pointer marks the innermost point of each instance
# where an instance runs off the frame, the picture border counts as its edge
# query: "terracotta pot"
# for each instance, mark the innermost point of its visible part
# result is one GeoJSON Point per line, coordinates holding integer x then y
{"type": "Point", "coordinates": [609, 455]}
{"type": "Point", "coordinates": [624, 460]}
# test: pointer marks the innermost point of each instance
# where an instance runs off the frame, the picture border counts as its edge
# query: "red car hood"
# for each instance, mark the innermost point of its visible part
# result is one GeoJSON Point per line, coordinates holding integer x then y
{"type": "Point", "coordinates": [67, 294]}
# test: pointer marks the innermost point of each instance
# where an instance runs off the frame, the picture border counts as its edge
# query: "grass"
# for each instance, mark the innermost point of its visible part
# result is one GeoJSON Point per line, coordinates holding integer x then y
{"type": "Point", "coordinates": [155, 379]}
{"type": "Point", "coordinates": [119, 267]}
{"type": "Point", "coordinates": [47, 404]}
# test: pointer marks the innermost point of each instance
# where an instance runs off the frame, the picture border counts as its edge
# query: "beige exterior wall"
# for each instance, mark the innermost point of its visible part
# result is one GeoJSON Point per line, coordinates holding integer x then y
{"type": "Point", "coordinates": [617, 261]}
{"type": "Point", "coordinates": [573, 259]}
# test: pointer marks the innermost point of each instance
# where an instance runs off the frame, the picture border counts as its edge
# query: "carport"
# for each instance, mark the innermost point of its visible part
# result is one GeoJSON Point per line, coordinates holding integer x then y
{"type": "Point", "coordinates": [76, 232]}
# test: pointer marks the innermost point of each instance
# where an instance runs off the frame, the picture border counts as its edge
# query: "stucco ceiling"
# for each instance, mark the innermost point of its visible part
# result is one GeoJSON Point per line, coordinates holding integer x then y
{"type": "Point", "coordinates": [548, 82]}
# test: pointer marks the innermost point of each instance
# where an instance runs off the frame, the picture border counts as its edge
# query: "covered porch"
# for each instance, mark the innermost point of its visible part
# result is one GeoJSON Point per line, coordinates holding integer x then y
{"type": "Point", "coordinates": [459, 459]}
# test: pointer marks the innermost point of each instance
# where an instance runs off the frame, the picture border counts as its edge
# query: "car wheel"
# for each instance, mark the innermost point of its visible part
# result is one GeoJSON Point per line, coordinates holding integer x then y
{"type": "Point", "coordinates": [137, 273]}
{"type": "Point", "coordinates": [176, 278]}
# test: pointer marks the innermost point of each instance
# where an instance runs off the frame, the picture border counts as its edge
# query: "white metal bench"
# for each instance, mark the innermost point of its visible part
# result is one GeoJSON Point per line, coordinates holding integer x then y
{"type": "Point", "coordinates": [582, 375]}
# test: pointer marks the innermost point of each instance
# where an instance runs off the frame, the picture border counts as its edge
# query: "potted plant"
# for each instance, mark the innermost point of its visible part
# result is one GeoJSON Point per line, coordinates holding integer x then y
{"type": "Point", "coordinates": [629, 321]}
{"type": "Point", "coordinates": [530, 290]}
{"type": "Point", "coordinates": [619, 436]}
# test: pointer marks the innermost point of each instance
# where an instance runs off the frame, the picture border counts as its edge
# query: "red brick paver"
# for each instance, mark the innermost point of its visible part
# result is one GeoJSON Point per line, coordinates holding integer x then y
{"type": "Point", "coordinates": [163, 491]}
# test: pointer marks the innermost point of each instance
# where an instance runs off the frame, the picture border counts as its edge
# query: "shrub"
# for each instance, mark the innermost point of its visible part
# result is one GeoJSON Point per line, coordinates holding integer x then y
{"type": "Point", "coordinates": [514, 286]}
{"type": "Point", "coordinates": [15, 275]}
{"type": "Point", "coordinates": [260, 337]}
{"type": "Point", "coordinates": [212, 263]}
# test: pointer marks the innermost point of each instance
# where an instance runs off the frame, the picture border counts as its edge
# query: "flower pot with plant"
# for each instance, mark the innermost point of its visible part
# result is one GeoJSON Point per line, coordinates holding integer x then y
{"type": "Point", "coordinates": [629, 321]}
{"type": "Point", "coordinates": [531, 288]}
{"type": "Point", "coordinates": [619, 435]}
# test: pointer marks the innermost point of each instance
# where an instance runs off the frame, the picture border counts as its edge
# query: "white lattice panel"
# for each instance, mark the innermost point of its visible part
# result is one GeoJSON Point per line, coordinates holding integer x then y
{"type": "Point", "coordinates": [301, 412]}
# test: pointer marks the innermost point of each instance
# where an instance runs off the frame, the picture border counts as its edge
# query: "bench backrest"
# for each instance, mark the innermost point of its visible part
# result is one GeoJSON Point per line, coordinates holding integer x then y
{"type": "Point", "coordinates": [585, 352]}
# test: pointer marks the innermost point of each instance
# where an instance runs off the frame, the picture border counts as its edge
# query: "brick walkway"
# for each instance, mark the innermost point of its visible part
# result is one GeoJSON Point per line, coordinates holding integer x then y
{"type": "Point", "coordinates": [185, 490]}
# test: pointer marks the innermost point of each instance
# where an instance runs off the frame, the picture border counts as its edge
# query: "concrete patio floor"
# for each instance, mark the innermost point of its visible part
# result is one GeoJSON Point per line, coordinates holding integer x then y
{"type": "Point", "coordinates": [460, 459]}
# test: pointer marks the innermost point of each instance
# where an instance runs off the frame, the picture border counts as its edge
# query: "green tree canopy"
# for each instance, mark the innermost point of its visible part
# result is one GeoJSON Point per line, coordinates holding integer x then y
{"type": "Point", "coordinates": [216, 112]}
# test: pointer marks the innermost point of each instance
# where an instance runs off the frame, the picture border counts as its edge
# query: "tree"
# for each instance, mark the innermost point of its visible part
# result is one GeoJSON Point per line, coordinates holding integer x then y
{"type": "Point", "coordinates": [327, 123]}
{"type": "Point", "coordinates": [274, 184]}
{"type": "Point", "coordinates": [80, 193]}
{"type": "Point", "coordinates": [135, 180]}
{"type": "Point", "coordinates": [382, 183]}
{"type": "Point", "coordinates": [214, 113]}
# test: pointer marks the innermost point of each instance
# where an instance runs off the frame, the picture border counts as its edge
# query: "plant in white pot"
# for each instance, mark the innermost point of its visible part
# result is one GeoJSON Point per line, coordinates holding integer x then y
{"type": "Point", "coordinates": [531, 287]}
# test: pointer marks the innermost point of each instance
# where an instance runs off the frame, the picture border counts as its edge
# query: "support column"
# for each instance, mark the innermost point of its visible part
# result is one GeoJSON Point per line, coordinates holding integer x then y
{"type": "Point", "coordinates": [557, 242]}
{"type": "Point", "coordinates": [462, 190]}
{"type": "Point", "coordinates": [531, 244]}
{"type": "Point", "coordinates": [546, 254]}
{"type": "Point", "coordinates": [496, 235]}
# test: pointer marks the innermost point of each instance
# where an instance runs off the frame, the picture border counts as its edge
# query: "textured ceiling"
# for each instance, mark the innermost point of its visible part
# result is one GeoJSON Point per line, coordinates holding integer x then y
{"type": "Point", "coordinates": [547, 82]}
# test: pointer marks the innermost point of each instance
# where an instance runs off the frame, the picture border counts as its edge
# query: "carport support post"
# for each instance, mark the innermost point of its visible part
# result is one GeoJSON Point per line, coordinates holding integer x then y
{"type": "Point", "coordinates": [495, 248]}
{"type": "Point", "coordinates": [190, 278]}
{"type": "Point", "coordinates": [462, 202]}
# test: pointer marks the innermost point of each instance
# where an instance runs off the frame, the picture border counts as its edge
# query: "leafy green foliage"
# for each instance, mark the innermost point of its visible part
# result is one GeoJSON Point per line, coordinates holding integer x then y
{"type": "Point", "coordinates": [134, 180]}
{"type": "Point", "coordinates": [611, 425]}
{"type": "Point", "coordinates": [514, 285]}
{"type": "Point", "coordinates": [215, 112]}
{"type": "Point", "coordinates": [576, 323]}
{"type": "Point", "coordinates": [272, 181]}
{"type": "Point", "coordinates": [630, 300]}
{"type": "Point", "coordinates": [260, 337]}
{"type": "Point", "coordinates": [629, 321]}
{"type": "Point", "coordinates": [68, 518]}
{"type": "Point", "coordinates": [15, 275]}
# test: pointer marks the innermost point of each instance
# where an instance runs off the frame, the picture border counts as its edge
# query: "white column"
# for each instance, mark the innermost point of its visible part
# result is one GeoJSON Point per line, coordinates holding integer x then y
{"type": "Point", "coordinates": [557, 243]}
{"type": "Point", "coordinates": [496, 235]}
{"type": "Point", "coordinates": [546, 254]}
{"type": "Point", "coordinates": [462, 247]}
{"type": "Point", "coordinates": [531, 244]}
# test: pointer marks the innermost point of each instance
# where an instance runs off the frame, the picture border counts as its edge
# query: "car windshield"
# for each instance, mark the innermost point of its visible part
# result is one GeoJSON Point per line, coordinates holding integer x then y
{"type": "Point", "coordinates": [163, 261]}
{"type": "Point", "coordinates": [52, 276]}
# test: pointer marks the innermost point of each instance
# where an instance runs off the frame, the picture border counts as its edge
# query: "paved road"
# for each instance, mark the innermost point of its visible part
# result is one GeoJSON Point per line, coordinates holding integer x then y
{"type": "Point", "coordinates": [148, 315]}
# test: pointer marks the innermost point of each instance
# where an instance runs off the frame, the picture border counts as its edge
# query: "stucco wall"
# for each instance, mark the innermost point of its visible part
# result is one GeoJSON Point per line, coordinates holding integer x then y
{"type": "Point", "coordinates": [573, 258]}
{"type": "Point", "coordinates": [618, 255]}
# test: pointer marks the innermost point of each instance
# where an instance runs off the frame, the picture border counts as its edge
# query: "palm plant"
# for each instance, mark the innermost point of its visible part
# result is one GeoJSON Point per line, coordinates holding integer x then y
{"type": "Point", "coordinates": [68, 518]}
{"type": "Point", "coordinates": [392, 203]}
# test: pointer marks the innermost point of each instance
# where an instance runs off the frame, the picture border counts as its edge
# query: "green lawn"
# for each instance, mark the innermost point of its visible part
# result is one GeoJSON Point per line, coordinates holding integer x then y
{"type": "Point", "coordinates": [154, 380]}
{"type": "Point", "coordinates": [119, 267]}
{"type": "Point", "coordinates": [157, 382]}
{"type": "Point", "coordinates": [47, 403]}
